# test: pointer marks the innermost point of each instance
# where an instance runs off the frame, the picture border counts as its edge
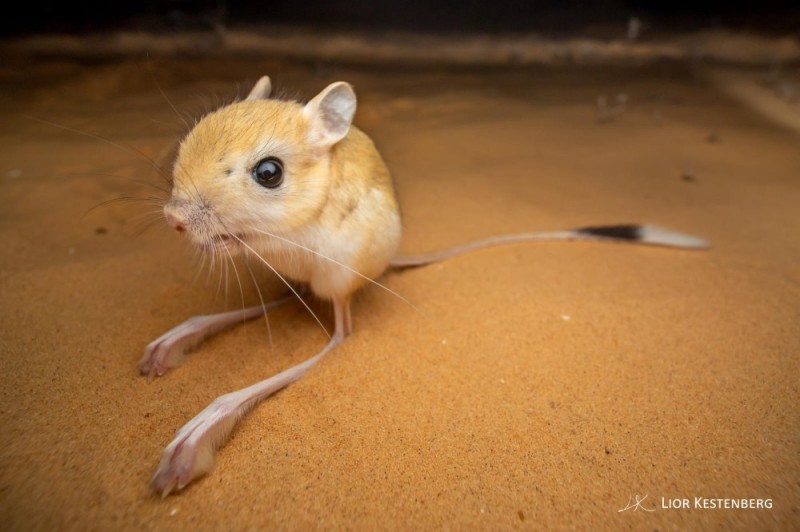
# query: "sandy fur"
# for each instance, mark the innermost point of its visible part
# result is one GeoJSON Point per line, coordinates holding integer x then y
{"type": "Point", "coordinates": [337, 200]}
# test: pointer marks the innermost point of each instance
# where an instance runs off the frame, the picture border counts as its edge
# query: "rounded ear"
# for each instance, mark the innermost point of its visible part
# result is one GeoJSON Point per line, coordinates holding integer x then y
{"type": "Point", "coordinates": [330, 114]}
{"type": "Point", "coordinates": [261, 90]}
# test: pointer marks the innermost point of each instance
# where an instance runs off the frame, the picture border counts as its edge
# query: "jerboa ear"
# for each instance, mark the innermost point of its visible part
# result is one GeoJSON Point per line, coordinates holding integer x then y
{"type": "Point", "coordinates": [330, 114]}
{"type": "Point", "coordinates": [261, 90]}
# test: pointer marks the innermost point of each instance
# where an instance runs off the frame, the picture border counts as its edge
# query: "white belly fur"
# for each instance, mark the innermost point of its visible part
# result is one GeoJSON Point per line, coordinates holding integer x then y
{"type": "Point", "coordinates": [364, 242]}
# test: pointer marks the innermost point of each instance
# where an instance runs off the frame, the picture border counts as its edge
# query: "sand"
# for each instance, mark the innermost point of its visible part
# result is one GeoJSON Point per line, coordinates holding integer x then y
{"type": "Point", "coordinates": [540, 386]}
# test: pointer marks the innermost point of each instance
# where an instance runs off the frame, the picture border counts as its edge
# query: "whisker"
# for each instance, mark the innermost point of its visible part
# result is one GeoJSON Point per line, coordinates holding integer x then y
{"type": "Point", "coordinates": [126, 199]}
{"type": "Point", "coordinates": [239, 281]}
{"type": "Point", "coordinates": [203, 258]}
{"type": "Point", "coordinates": [345, 266]}
{"type": "Point", "coordinates": [146, 226]}
{"type": "Point", "coordinates": [212, 263]}
{"type": "Point", "coordinates": [213, 267]}
{"type": "Point", "coordinates": [157, 214]}
{"type": "Point", "coordinates": [260, 298]}
{"type": "Point", "coordinates": [116, 176]}
{"type": "Point", "coordinates": [164, 94]}
{"type": "Point", "coordinates": [151, 217]}
{"type": "Point", "coordinates": [284, 281]}
{"type": "Point", "coordinates": [123, 147]}
{"type": "Point", "coordinates": [225, 283]}
{"type": "Point", "coordinates": [217, 271]}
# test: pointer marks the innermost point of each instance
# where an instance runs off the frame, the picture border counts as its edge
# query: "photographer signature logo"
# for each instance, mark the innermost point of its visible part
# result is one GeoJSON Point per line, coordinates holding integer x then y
{"type": "Point", "coordinates": [635, 504]}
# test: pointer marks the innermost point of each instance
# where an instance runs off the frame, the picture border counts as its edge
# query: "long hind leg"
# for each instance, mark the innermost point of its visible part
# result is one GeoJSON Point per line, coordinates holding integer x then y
{"type": "Point", "coordinates": [168, 350]}
{"type": "Point", "coordinates": [191, 453]}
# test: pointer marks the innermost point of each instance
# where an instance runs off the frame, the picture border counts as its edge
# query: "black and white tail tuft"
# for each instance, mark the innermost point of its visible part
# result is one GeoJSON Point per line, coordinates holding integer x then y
{"type": "Point", "coordinates": [645, 234]}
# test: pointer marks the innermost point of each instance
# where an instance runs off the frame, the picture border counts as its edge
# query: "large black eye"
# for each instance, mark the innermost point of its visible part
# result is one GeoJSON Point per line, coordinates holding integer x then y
{"type": "Point", "coordinates": [268, 172]}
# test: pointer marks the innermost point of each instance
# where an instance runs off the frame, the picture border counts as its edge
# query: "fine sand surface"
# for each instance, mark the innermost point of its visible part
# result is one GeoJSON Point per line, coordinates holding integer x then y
{"type": "Point", "coordinates": [537, 386]}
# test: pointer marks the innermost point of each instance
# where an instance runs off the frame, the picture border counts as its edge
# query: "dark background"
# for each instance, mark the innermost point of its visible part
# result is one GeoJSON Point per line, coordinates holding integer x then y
{"type": "Point", "coordinates": [548, 17]}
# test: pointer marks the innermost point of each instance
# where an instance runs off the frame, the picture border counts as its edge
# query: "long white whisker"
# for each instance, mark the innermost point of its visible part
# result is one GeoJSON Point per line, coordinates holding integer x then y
{"type": "Point", "coordinates": [215, 265]}
{"type": "Point", "coordinates": [284, 282]}
{"type": "Point", "coordinates": [345, 266]}
{"type": "Point", "coordinates": [203, 257]}
{"type": "Point", "coordinates": [239, 281]}
{"type": "Point", "coordinates": [225, 283]}
{"type": "Point", "coordinates": [261, 298]}
{"type": "Point", "coordinates": [212, 266]}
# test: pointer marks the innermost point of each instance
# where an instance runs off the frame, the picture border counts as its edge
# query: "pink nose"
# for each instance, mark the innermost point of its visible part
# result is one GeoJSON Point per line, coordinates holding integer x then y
{"type": "Point", "coordinates": [174, 222]}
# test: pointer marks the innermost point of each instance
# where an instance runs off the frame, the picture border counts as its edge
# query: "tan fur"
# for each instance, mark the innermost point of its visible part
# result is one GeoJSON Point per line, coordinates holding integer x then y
{"type": "Point", "coordinates": [337, 200]}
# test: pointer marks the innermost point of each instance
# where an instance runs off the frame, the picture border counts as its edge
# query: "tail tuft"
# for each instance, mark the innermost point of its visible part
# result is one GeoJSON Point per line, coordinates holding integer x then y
{"type": "Point", "coordinates": [654, 234]}
{"type": "Point", "coordinates": [632, 232]}
{"type": "Point", "coordinates": [645, 234]}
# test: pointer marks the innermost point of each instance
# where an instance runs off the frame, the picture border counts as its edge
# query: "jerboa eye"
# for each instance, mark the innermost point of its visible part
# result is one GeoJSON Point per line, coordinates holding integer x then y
{"type": "Point", "coordinates": [268, 172]}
